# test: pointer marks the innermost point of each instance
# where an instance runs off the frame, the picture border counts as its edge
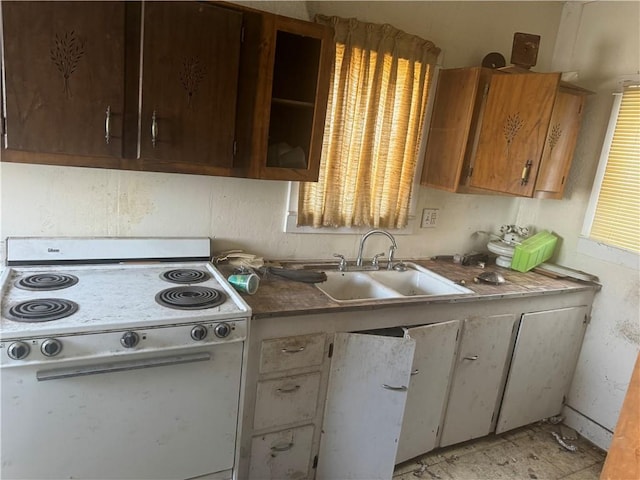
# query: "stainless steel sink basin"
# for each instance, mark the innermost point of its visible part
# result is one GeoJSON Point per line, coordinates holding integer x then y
{"type": "Point", "coordinates": [414, 282]}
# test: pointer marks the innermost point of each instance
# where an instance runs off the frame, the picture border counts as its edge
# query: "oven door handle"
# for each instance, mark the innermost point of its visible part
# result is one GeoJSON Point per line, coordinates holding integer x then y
{"type": "Point", "coordinates": [60, 373]}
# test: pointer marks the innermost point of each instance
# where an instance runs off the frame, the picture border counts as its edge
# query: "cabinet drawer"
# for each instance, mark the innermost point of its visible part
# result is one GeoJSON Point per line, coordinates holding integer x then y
{"type": "Point", "coordinates": [286, 400]}
{"type": "Point", "coordinates": [292, 352]}
{"type": "Point", "coordinates": [282, 455]}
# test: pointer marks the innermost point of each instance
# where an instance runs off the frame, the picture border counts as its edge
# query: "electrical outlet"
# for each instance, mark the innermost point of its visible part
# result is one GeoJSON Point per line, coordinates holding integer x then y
{"type": "Point", "coordinates": [430, 217]}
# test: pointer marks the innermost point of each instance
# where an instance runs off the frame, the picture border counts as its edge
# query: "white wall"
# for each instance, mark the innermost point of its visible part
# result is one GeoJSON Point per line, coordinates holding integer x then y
{"type": "Point", "coordinates": [601, 43]}
{"type": "Point", "coordinates": [40, 200]}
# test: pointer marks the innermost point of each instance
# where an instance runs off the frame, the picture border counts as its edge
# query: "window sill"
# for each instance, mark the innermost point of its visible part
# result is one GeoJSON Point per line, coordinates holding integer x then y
{"type": "Point", "coordinates": [608, 253]}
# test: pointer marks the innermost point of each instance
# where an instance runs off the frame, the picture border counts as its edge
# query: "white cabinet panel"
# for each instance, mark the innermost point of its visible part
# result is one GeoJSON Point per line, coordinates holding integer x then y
{"type": "Point", "coordinates": [301, 351]}
{"type": "Point", "coordinates": [363, 414]}
{"type": "Point", "coordinates": [543, 363]}
{"type": "Point", "coordinates": [478, 377]}
{"type": "Point", "coordinates": [282, 455]}
{"type": "Point", "coordinates": [286, 400]}
{"type": "Point", "coordinates": [430, 376]}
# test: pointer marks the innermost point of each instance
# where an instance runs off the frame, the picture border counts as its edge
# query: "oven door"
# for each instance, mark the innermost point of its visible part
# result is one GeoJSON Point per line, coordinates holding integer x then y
{"type": "Point", "coordinates": [168, 415]}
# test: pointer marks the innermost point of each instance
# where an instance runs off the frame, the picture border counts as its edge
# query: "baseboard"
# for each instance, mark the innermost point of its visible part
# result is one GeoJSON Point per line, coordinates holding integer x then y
{"type": "Point", "coordinates": [588, 428]}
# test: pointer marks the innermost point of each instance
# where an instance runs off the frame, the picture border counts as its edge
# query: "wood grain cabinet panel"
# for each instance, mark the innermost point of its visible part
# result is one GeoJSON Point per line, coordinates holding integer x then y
{"type": "Point", "coordinates": [191, 54]}
{"type": "Point", "coordinates": [502, 133]}
{"type": "Point", "coordinates": [281, 129]}
{"type": "Point", "coordinates": [64, 65]}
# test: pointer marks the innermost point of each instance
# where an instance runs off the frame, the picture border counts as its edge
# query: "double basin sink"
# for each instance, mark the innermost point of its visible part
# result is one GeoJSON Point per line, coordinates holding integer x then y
{"type": "Point", "coordinates": [415, 281]}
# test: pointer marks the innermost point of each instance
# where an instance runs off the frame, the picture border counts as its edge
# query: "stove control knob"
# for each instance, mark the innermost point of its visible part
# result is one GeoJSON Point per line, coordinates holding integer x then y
{"type": "Point", "coordinates": [199, 332]}
{"type": "Point", "coordinates": [18, 350]}
{"type": "Point", "coordinates": [129, 339]}
{"type": "Point", "coordinates": [51, 347]}
{"type": "Point", "coordinates": [222, 330]}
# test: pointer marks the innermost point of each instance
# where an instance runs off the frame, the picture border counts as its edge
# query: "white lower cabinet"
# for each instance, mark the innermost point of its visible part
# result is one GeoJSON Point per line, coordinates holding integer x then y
{"type": "Point", "coordinates": [367, 392]}
{"type": "Point", "coordinates": [478, 377]}
{"type": "Point", "coordinates": [282, 455]}
{"type": "Point", "coordinates": [544, 360]}
{"type": "Point", "coordinates": [433, 362]}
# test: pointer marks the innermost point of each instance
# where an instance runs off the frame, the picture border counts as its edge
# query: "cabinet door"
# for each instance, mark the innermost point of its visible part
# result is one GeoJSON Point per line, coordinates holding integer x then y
{"type": "Point", "coordinates": [560, 145]}
{"type": "Point", "coordinates": [459, 93]}
{"type": "Point", "coordinates": [544, 359]}
{"type": "Point", "coordinates": [430, 375]}
{"type": "Point", "coordinates": [284, 86]}
{"type": "Point", "coordinates": [64, 65]}
{"type": "Point", "coordinates": [478, 377]}
{"type": "Point", "coordinates": [513, 131]}
{"type": "Point", "coordinates": [189, 80]}
{"type": "Point", "coordinates": [365, 403]}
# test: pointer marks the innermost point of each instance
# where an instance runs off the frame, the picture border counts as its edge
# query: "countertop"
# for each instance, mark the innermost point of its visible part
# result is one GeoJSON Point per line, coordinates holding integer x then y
{"type": "Point", "coordinates": [277, 296]}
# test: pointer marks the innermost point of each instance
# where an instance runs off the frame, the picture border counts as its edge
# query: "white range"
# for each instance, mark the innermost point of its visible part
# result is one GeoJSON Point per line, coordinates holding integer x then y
{"type": "Point", "coordinates": [120, 358]}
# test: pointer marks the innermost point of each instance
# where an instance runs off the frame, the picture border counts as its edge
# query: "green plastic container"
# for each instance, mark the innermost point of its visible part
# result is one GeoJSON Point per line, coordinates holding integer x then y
{"type": "Point", "coordinates": [533, 251]}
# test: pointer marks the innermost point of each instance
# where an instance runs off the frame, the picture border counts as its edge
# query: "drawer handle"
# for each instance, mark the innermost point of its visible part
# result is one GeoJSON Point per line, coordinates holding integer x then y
{"type": "Point", "coordinates": [415, 372]}
{"type": "Point", "coordinates": [395, 389]}
{"type": "Point", "coordinates": [282, 447]}
{"type": "Point", "coordinates": [292, 350]}
{"type": "Point", "coordinates": [290, 389]}
{"type": "Point", "coordinates": [472, 357]}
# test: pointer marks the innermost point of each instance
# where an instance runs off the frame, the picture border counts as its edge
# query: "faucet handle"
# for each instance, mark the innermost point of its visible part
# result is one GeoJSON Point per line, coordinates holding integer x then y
{"type": "Point", "coordinates": [343, 263]}
{"type": "Point", "coordinates": [374, 260]}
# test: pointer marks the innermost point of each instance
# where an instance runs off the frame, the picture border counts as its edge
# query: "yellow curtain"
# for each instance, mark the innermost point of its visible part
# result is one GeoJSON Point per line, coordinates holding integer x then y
{"type": "Point", "coordinates": [375, 116]}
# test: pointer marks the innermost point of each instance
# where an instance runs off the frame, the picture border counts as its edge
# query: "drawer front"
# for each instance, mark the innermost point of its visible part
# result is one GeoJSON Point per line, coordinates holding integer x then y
{"type": "Point", "coordinates": [301, 351]}
{"type": "Point", "coordinates": [282, 455]}
{"type": "Point", "coordinates": [286, 400]}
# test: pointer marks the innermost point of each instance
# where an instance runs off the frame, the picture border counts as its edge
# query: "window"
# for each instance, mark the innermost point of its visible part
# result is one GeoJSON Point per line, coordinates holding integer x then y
{"type": "Point", "coordinates": [375, 117]}
{"type": "Point", "coordinates": [613, 215]}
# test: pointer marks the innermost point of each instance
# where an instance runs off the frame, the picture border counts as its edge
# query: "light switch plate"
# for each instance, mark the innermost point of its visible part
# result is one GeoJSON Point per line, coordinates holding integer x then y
{"type": "Point", "coordinates": [430, 217]}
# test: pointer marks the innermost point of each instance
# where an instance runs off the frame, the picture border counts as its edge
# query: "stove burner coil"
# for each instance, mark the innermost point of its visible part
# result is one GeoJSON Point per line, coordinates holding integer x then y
{"type": "Point", "coordinates": [190, 298]}
{"type": "Point", "coordinates": [42, 310]}
{"type": "Point", "coordinates": [185, 275]}
{"type": "Point", "coordinates": [46, 281]}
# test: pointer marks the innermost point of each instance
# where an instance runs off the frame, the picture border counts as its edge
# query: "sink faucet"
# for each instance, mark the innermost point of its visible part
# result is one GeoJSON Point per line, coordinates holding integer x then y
{"type": "Point", "coordinates": [392, 249]}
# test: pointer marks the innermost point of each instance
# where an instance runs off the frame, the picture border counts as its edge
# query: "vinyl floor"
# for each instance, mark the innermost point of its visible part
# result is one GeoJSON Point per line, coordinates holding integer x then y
{"type": "Point", "coordinates": [527, 453]}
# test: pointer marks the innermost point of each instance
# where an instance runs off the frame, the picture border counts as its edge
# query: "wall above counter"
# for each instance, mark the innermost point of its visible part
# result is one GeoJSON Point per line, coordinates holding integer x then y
{"type": "Point", "coordinates": [151, 86]}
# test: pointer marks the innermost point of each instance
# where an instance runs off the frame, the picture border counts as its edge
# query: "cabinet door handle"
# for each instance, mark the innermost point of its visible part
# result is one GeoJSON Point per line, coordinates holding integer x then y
{"type": "Point", "coordinates": [282, 447]}
{"type": "Point", "coordinates": [471, 357]}
{"type": "Point", "coordinates": [402, 388]}
{"type": "Point", "coordinates": [154, 129]}
{"type": "Point", "coordinates": [107, 125]}
{"type": "Point", "coordinates": [289, 389]}
{"type": "Point", "coordinates": [292, 350]}
{"type": "Point", "coordinates": [524, 178]}
{"type": "Point", "coordinates": [415, 372]}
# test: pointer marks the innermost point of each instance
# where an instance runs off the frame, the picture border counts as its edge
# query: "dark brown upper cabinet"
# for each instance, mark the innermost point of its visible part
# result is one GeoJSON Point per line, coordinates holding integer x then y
{"type": "Point", "coordinates": [502, 133]}
{"type": "Point", "coordinates": [288, 64]}
{"type": "Point", "coordinates": [64, 65]}
{"type": "Point", "coordinates": [207, 88]}
{"type": "Point", "coordinates": [191, 55]}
